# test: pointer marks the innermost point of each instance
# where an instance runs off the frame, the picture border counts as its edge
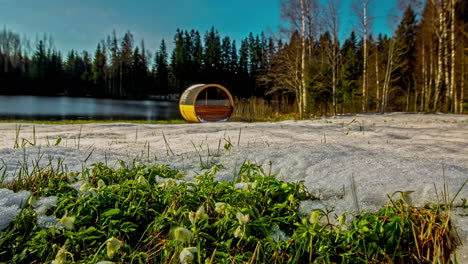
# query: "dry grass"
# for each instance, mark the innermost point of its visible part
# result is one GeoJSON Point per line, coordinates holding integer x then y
{"type": "Point", "coordinates": [257, 109]}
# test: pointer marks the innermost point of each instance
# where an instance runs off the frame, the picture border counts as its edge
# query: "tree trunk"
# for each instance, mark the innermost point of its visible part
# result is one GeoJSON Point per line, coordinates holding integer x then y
{"type": "Point", "coordinates": [388, 73]}
{"type": "Point", "coordinates": [424, 77]}
{"type": "Point", "coordinates": [453, 87]}
{"type": "Point", "coordinates": [303, 40]}
{"type": "Point", "coordinates": [377, 81]}
{"type": "Point", "coordinates": [438, 82]}
{"type": "Point", "coordinates": [448, 85]}
{"type": "Point", "coordinates": [364, 69]}
{"type": "Point", "coordinates": [431, 80]}
{"type": "Point", "coordinates": [462, 84]}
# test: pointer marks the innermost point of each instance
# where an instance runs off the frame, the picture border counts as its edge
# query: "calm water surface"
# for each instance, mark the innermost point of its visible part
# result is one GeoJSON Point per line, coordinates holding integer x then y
{"type": "Point", "coordinates": [56, 108]}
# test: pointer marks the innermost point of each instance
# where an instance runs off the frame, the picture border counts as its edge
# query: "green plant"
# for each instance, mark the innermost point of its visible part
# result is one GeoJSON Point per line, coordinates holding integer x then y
{"type": "Point", "coordinates": [145, 214]}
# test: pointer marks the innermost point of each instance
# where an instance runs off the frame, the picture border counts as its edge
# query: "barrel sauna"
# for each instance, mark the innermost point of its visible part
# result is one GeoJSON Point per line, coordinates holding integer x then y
{"type": "Point", "coordinates": [206, 103]}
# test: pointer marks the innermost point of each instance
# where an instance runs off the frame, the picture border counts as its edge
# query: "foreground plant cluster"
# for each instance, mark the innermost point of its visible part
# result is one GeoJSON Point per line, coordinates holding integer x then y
{"type": "Point", "coordinates": [146, 214]}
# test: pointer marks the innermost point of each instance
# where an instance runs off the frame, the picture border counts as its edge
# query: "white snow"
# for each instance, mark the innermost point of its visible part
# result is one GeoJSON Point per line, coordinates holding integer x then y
{"type": "Point", "coordinates": [383, 153]}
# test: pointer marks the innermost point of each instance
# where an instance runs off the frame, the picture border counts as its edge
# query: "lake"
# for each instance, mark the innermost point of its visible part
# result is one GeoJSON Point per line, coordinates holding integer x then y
{"type": "Point", "coordinates": [58, 108]}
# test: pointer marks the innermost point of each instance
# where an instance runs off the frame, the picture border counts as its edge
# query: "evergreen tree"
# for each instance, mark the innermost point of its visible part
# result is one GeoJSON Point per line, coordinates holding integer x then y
{"type": "Point", "coordinates": [139, 74]}
{"type": "Point", "coordinates": [125, 60]}
{"type": "Point", "coordinates": [99, 71]}
{"type": "Point", "coordinates": [226, 54]}
{"type": "Point", "coordinates": [404, 57]}
{"type": "Point", "coordinates": [233, 64]}
{"type": "Point", "coordinates": [351, 72]}
{"type": "Point", "coordinates": [161, 69]}
{"type": "Point", "coordinates": [39, 63]}
{"type": "Point", "coordinates": [212, 54]}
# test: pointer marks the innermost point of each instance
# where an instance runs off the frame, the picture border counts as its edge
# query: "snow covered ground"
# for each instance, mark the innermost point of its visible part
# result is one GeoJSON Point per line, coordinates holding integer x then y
{"type": "Point", "coordinates": [383, 153]}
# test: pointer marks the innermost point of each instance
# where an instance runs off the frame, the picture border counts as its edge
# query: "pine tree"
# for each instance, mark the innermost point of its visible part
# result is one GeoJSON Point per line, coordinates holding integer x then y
{"type": "Point", "coordinates": [404, 56]}
{"type": "Point", "coordinates": [125, 59]}
{"type": "Point", "coordinates": [351, 72]}
{"type": "Point", "coordinates": [212, 54]}
{"type": "Point", "coordinates": [99, 71]}
{"type": "Point", "coordinates": [161, 69]}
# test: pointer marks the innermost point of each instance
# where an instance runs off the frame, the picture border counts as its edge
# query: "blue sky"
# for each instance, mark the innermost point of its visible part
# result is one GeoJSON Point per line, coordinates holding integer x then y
{"type": "Point", "coordinates": [80, 25]}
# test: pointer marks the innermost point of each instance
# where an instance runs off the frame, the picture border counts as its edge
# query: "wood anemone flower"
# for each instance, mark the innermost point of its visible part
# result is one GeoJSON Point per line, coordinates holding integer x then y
{"type": "Point", "coordinates": [182, 234]}
{"type": "Point", "coordinates": [314, 217]}
{"type": "Point", "coordinates": [220, 208]}
{"type": "Point", "coordinates": [113, 245]}
{"type": "Point", "coordinates": [186, 255]}
{"type": "Point", "coordinates": [67, 222]}
{"type": "Point", "coordinates": [61, 257]}
{"type": "Point", "coordinates": [243, 219]}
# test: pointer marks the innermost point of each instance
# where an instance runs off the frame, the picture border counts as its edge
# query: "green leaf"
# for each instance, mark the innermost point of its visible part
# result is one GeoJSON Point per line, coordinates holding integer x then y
{"type": "Point", "coordinates": [111, 212]}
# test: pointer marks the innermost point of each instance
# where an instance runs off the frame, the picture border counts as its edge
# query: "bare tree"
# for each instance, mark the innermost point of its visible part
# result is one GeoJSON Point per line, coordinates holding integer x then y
{"type": "Point", "coordinates": [389, 69]}
{"type": "Point", "coordinates": [299, 14]}
{"type": "Point", "coordinates": [361, 8]}
{"type": "Point", "coordinates": [332, 23]}
{"type": "Point", "coordinates": [453, 86]}
{"type": "Point", "coordinates": [285, 74]}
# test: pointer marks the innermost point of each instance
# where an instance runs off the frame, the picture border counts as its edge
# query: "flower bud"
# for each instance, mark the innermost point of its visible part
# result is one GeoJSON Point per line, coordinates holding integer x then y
{"type": "Point", "coordinates": [182, 234]}
{"type": "Point", "coordinates": [220, 208]}
{"type": "Point", "coordinates": [67, 222]}
{"type": "Point", "coordinates": [243, 219]}
{"type": "Point", "coordinates": [101, 184]}
{"type": "Point", "coordinates": [314, 217]}
{"type": "Point", "coordinates": [61, 257]}
{"type": "Point", "coordinates": [113, 245]}
{"type": "Point", "coordinates": [200, 214]}
{"type": "Point", "coordinates": [406, 196]}
{"type": "Point", "coordinates": [238, 232]}
{"type": "Point", "coordinates": [186, 255]}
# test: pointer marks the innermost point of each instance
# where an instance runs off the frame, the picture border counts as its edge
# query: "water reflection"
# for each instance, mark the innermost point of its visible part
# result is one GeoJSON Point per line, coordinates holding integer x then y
{"type": "Point", "coordinates": [45, 108]}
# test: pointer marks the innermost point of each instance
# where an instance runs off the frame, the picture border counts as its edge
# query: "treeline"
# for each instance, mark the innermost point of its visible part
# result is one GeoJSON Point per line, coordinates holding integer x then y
{"type": "Point", "coordinates": [421, 68]}
{"type": "Point", "coordinates": [120, 68]}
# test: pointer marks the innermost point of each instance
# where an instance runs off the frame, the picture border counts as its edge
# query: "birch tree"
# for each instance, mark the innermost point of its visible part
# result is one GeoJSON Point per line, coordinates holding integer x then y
{"type": "Point", "coordinates": [299, 16]}
{"type": "Point", "coordinates": [332, 23]}
{"type": "Point", "coordinates": [361, 8]}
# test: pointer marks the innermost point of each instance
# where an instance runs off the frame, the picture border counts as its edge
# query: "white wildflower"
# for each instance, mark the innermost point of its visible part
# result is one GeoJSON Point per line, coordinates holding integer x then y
{"type": "Point", "coordinates": [238, 232]}
{"type": "Point", "coordinates": [182, 234]}
{"type": "Point", "coordinates": [243, 219]}
{"type": "Point", "coordinates": [186, 255]}
{"type": "Point", "coordinates": [61, 257]}
{"type": "Point", "coordinates": [141, 180]}
{"type": "Point", "coordinates": [113, 245]}
{"type": "Point", "coordinates": [200, 214]}
{"type": "Point", "coordinates": [314, 217]}
{"type": "Point", "coordinates": [342, 221]}
{"type": "Point", "coordinates": [101, 184]}
{"type": "Point", "coordinates": [220, 208]}
{"type": "Point", "coordinates": [67, 222]}
{"type": "Point", "coordinates": [84, 187]}
{"type": "Point", "coordinates": [192, 217]}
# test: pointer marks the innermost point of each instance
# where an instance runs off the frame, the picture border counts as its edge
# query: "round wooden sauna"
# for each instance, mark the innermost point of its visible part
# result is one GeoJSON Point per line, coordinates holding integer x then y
{"type": "Point", "coordinates": [206, 103]}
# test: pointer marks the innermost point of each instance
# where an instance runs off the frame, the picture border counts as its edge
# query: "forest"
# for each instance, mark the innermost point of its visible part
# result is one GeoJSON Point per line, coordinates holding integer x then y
{"type": "Point", "coordinates": [421, 67]}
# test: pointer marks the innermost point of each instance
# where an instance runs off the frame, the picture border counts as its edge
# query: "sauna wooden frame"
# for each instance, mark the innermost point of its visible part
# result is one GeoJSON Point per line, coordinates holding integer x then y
{"type": "Point", "coordinates": [204, 113]}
